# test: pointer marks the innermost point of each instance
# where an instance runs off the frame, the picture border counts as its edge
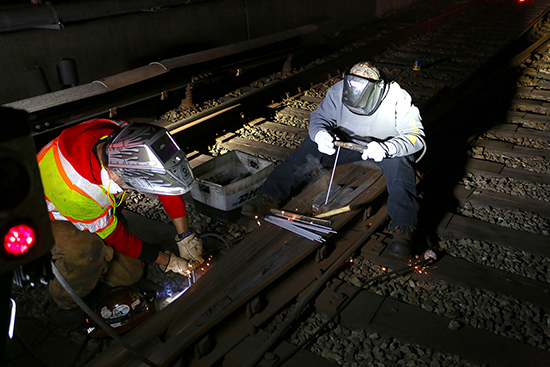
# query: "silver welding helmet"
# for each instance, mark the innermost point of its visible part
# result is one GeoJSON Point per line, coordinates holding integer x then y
{"type": "Point", "coordinates": [364, 89]}
{"type": "Point", "coordinates": [147, 159]}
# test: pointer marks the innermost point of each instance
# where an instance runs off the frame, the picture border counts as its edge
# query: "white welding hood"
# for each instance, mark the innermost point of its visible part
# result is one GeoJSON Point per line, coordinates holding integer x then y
{"type": "Point", "coordinates": [364, 89]}
{"type": "Point", "coordinates": [146, 158]}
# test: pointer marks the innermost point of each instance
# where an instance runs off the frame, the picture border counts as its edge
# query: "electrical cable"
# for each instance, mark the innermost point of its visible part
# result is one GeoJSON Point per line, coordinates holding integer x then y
{"type": "Point", "coordinates": [97, 319]}
{"type": "Point", "coordinates": [217, 236]}
{"type": "Point", "coordinates": [423, 150]}
{"type": "Point", "coordinates": [347, 302]}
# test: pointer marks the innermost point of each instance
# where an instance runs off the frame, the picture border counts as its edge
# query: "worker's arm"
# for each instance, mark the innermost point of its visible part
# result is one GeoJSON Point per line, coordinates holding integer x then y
{"type": "Point", "coordinates": [326, 114]}
{"type": "Point", "coordinates": [408, 123]}
{"type": "Point", "coordinates": [189, 245]}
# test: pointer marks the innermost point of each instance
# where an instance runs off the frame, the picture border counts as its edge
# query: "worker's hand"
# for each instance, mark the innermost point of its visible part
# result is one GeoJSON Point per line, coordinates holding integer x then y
{"type": "Point", "coordinates": [190, 247]}
{"type": "Point", "coordinates": [178, 265]}
{"type": "Point", "coordinates": [376, 151]}
{"type": "Point", "coordinates": [325, 142]}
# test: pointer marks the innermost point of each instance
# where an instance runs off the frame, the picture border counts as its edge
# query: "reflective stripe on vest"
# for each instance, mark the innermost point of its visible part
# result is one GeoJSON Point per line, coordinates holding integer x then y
{"type": "Point", "coordinates": [84, 187]}
{"type": "Point", "coordinates": [93, 226]}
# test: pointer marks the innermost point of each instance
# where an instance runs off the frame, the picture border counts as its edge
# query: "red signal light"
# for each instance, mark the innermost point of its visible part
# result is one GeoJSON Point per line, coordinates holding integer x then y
{"type": "Point", "coordinates": [19, 239]}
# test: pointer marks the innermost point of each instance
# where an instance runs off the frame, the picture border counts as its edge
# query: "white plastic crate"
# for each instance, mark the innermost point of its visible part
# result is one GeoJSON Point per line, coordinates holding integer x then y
{"type": "Point", "coordinates": [228, 181]}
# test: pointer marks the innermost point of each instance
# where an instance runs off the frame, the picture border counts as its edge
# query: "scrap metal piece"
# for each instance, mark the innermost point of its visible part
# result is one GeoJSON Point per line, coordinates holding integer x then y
{"type": "Point", "coordinates": [334, 212]}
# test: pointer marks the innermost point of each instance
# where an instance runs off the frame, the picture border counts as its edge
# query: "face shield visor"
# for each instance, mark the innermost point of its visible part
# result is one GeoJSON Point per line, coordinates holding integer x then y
{"type": "Point", "coordinates": [361, 95]}
{"type": "Point", "coordinates": [147, 159]}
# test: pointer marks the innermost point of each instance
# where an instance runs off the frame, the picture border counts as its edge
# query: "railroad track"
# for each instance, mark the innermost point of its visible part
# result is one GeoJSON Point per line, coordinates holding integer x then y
{"type": "Point", "coordinates": [234, 321]}
{"type": "Point", "coordinates": [242, 309]}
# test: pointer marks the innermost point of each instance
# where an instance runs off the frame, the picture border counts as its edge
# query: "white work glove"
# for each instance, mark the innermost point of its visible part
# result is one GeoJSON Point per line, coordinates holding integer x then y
{"type": "Point", "coordinates": [178, 265]}
{"type": "Point", "coordinates": [325, 142]}
{"type": "Point", "coordinates": [190, 247]}
{"type": "Point", "coordinates": [378, 151]}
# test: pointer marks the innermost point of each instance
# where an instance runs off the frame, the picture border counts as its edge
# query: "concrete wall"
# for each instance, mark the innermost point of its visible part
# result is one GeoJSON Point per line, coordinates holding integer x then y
{"type": "Point", "coordinates": [110, 45]}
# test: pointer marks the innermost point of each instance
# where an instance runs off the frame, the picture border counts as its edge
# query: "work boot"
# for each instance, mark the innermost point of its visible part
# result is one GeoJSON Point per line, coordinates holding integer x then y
{"type": "Point", "coordinates": [402, 242]}
{"type": "Point", "coordinates": [259, 206]}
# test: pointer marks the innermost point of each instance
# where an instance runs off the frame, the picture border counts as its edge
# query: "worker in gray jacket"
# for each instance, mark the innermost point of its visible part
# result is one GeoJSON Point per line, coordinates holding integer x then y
{"type": "Point", "coordinates": [366, 109]}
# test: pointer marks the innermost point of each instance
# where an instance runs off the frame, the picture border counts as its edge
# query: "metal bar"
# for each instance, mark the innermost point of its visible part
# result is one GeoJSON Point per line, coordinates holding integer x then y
{"type": "Point", "coordinates": [283, 223]}
{"type": "Point", "coordinates": [332, 174]}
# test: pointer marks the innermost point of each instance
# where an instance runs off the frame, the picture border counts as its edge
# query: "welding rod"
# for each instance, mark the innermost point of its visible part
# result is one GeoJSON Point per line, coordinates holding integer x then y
{"type": "Point", "coordinates": [301, 232]}
{"type": "Point", "coordinates": [323, 222]}
{"type": "Point", "coordinates": [285, 224]}
{"type": "Point", "coordinates": [309, 226]}
{"type": "Point", "coordinates": [332, 174]}
{"type": "Point", "coordinates": [291, 227]}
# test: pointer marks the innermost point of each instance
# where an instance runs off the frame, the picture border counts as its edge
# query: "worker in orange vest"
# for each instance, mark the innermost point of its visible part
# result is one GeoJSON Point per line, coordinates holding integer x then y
{"type": "Point", "coordinates": [85, 173]}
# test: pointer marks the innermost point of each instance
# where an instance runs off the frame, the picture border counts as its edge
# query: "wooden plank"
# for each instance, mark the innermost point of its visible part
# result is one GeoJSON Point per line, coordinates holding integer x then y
{"type": "Point", "coordinates": [524, 132]}
{"type": "Point", "coordinates": [303, 133]}
{"type": "Point", "coordinates": [482, 197]}
{"type": "Point", "coordinates": [199, 159]}
{"type": "Point", "coordinates": [510, 148]}
{"type": "Point", "coordinates": [524, 175]}
{"type": "Point", "coordinates": [473, 275]}
{"type": "Point", "coordinates": [460, 226]}
{"type": "Point", "coordinates": [311, 99]}
{"type": "Point", "coordinates": [496, 145]}
{"type": "Point", "coordinates": [539, 107]}
{"type": "Point", "coordinates": [481, 166]}
{"type": "Point", "coordinates": [294, 112]}
{"type": "Point", "coordinates": [493, 169]}
{"type": "Point", "coordinates": [514, 131]}
{"type": "Point", "coordinates": [415, 325]}
{"type": "Point", "coordinates": [257, 148]}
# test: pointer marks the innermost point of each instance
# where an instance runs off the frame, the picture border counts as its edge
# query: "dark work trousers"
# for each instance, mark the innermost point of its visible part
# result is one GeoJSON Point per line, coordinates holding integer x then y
{"type": "Point", "coordinates": [296, 169]}
{"type": "Point", "coordinates": [83, 259]}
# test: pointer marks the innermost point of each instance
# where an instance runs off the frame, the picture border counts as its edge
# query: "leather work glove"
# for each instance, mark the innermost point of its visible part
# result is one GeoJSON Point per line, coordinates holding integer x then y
{"type": "Point", "coordinates": [325, 142]}
{"type": "Point", "coordinates": [178, 265]}
{"type": "Point", "coordinates": [378, 151]}
{"type": "Point", "coordinates": [190, 246]}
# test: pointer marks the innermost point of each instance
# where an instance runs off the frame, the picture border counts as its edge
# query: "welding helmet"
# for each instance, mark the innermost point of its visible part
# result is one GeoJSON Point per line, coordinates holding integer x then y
{"type": "Point", "coordinates": [364, 89]}
{"type": "Point", "coordinates": [122, 309]}
{"type": "Point", "coordinates": [147, 159]}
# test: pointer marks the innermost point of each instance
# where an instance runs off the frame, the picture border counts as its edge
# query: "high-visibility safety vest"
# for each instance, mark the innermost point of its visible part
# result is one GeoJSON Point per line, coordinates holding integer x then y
{"type": "Point", "coordinates": [72, 197]}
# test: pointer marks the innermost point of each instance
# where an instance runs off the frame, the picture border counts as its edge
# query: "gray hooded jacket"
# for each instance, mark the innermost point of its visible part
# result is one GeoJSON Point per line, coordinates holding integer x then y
{"type": "Point", "coordinates": [397, 120]}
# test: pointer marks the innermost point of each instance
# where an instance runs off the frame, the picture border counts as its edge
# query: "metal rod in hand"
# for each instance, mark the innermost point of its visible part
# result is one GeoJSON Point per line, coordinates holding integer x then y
{"type": "Point", "coordinates": [332, 175]}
